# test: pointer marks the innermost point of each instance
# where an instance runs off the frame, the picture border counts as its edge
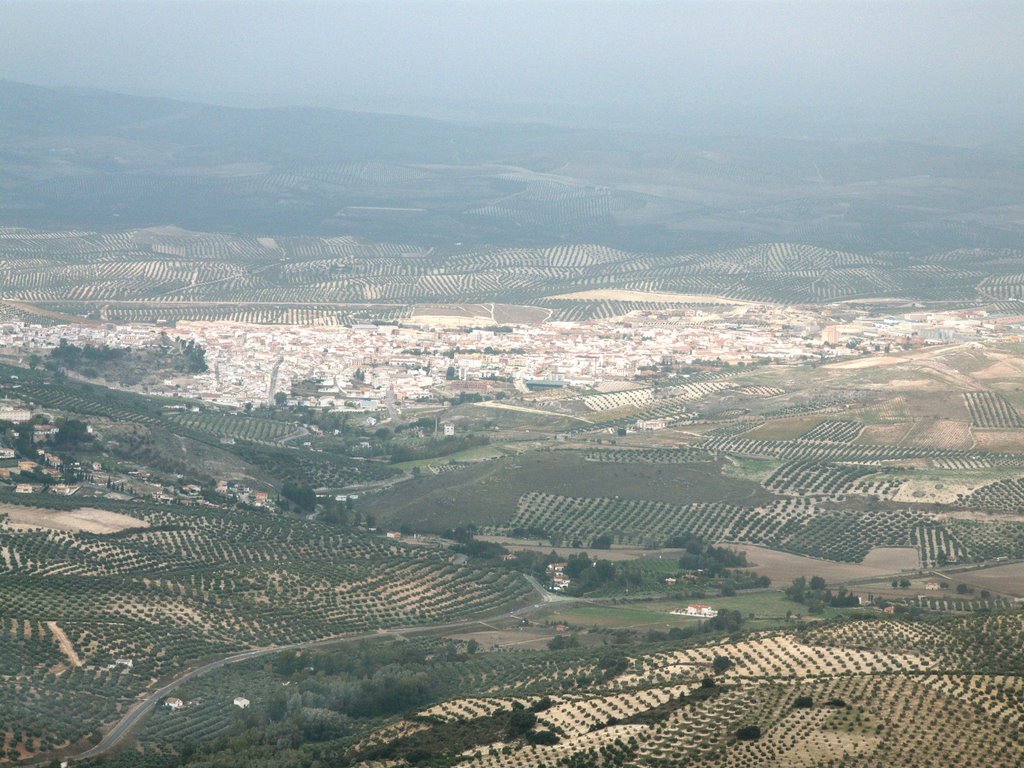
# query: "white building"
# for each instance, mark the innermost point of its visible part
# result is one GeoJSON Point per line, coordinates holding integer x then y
{"type": "Point", "coordinates": [15, 415]}
{"type": "Point", "coordinates": [241, 702]}
{"type": "Point", "coordinates": [698, 610]}
{"type": "Point", "coordinates": [651, 425]}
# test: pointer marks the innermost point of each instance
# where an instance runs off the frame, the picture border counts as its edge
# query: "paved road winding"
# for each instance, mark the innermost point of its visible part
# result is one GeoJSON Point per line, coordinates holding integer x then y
{"type": "Point", "coordinates": [138, 711]}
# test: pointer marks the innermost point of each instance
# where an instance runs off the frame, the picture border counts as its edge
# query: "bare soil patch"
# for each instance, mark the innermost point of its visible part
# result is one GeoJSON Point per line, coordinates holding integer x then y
{"type": "Point", "coordinates": [1000, 440]}
{"type": "Point", "coordinates": [65, 644]}
{"type": "Point", "coordinates": [884, 434]}
{"type": "Point", "coordinates": [1006, 369]}
{"type": "Point", "coordinates": [515, 313]}
{"type": "Point", "coordinates": [86, 519]}
{"type": "Point", "coordinates": [930, 491]}
{"type": "Point", "coordinates": [617, 294]}
{"type": "Point", "coordinates": [1007, 579]}
{"type": "Point", "coordinates": [941, 433]}
{"type": "Point", "coordinates": [784, 429]}
{"type": "Point", "coordinates": [60, 316]}
{"type": "Point", "coordinates": [783, 567]}
{"type": "Point", "coordinates": [914, 385]}
{"type": "Point", "coordinates": [528, 638]}
{"type": "Point", "coordinates": [892, 559]}
{"type": "Point", "coordinates": [866, 362]}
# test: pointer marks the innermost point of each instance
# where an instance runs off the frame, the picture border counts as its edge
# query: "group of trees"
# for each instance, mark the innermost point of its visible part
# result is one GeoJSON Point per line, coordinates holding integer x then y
{"type": "Point", "coordinates": [72, 433]}
{"type": "Point", "coordinates": [301, 496]}
{"type": "Point", "coordinates": [92, 360]}
{"type": "Point", "coordinates": [333, 693]}
{"type": "Point", "coordinates": [703, 557]}
{"type": "Point", "coordinates": [75, 358]}
{"type": "Point", "coordinates": [194, 355]}
{"type": "Point", "coordinates": [815, 595]}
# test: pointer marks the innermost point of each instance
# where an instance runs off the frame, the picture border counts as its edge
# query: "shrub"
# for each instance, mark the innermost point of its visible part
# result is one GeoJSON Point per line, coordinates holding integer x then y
{"type": "Point", "coordinates": [749, 733]}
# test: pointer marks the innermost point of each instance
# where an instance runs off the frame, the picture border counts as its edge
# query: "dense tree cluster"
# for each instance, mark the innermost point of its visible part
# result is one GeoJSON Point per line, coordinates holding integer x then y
{"type": "Point", "coordinates": [302, 496]}
{"type": "Point", "coordinates": [815, 595]}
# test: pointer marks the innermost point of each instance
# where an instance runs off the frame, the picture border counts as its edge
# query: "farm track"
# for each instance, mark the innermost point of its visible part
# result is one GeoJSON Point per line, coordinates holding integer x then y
{"type": "Point", "coordinates": [66, 647]}
{"type": "Point", "coordinates": [527, 409]}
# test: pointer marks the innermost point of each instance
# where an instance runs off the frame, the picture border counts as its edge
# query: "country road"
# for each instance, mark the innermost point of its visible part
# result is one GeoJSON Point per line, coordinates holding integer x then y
{"type": "Point", "coordinates": [138, 711]}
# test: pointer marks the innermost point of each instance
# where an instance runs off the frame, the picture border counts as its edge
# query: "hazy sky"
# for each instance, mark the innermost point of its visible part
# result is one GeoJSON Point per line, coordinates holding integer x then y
{"type": "Point", "coordinates": [862, 61]}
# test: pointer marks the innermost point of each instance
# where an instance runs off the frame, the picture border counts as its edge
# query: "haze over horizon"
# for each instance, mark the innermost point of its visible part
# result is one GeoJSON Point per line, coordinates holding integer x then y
{"type": "Point", "coordinates": [927, 71]}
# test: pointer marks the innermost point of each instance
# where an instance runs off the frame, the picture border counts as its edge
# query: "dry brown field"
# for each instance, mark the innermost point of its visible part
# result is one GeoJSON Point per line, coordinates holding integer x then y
{"type": "Point", "coordinates": [783, 567]}
{"type": "Point", "coordinates": [883, 434]}
{"type": "Point", "coordinates": [1007, 579]}
{"type": "Point", "coordinates": [1000, 440]}
{"type": "Point", "coordinates": [520, 639]}
{"type": "Point", "coordinates": [617, 294]}
{"type": "Point", "coordinates": [85, 519]}
{"type": "Point", "coordinates": [940, 433]}
{"type": "Point", "coordinates": [784, 429]}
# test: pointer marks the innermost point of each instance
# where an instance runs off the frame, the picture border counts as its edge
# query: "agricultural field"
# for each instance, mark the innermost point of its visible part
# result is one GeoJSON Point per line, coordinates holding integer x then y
{"type": "Point", "coordinates": [164, 586]}
{"type": "Point", "coordinates": [172, 275]}
{"type": "Point", "coordinates": [237, 426]}
{"type": "Point", "coordinates": [901, 467]}
{"type": "Point", "coordinates": [990, 411]}
{"type": "Point", "coordinates": [846, 691]}
{"type": "Point", "coordinates": [800, 417]}
{"type": "Point", "coordinates": [833, 467]}
{"type": "Point", "coordinates": [489, 493]}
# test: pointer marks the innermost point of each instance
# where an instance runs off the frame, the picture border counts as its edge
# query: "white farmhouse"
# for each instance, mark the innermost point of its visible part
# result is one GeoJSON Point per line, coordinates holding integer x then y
{"type": "Point", "coordinates": [699, 610]}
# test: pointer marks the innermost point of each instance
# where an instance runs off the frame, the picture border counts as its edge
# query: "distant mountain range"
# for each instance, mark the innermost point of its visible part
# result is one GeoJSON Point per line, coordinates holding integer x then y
{"type": "Point", "coordinates": [104, 162]}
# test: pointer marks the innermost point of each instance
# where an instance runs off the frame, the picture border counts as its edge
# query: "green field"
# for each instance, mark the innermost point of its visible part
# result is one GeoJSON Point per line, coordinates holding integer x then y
{"type": "Point", "coordinates": [760, 610]}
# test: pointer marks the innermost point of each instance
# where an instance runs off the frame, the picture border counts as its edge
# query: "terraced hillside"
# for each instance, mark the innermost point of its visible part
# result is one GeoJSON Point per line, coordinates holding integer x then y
{"type": "Point", "coordinates": [90, 621]}
{"type": "Point", "coordinates": [867, 692]}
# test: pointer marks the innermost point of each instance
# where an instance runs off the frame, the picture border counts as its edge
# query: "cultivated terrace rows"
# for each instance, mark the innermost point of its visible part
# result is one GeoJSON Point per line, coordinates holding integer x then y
{"type": "Point", "coordinates": [195, 582]}
{"type": "Point", "coordinates": [863, 692]}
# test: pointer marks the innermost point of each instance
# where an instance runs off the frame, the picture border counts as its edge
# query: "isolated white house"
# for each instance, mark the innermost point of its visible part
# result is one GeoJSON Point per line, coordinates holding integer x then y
{"type": "Point", "coordinates": [699, 610]}
{"type": "Point", "coordinates": [173, 703]}
{"type": "Point", "coordinates": [651, 425]}
{"type": "Point", "coordinates": [241, 702]}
